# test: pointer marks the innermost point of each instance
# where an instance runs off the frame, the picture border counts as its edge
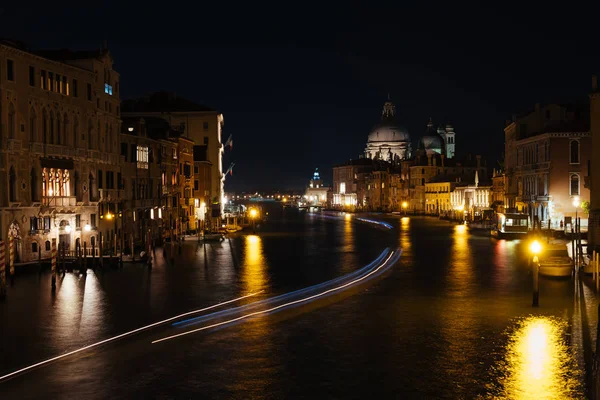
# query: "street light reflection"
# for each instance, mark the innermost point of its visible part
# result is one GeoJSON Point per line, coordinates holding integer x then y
{"type": "Point", "coordinates": [254, 277]}
{"type": "Point", "coordinates": [539, 363]}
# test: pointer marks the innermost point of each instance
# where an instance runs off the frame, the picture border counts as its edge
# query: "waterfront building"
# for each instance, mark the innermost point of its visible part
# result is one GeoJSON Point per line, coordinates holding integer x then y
{"type": "Point", "coordinates": [59, 151]}
{"type": "Point", "coordinates": [471, 200]}
{"type": "Point", "coordinates": [346, 182]}
{"type": "Point", "coordinates": [201, 124]}
{"type": "Point", "coordinates": [437, 196]}
{"type": "Point", "coordinates": [202, 186]}
{"type": "Point", "coordinates": [316, 192]}
{"type": "Point", "coordinates": [186, 217]}
{"type": "Point", "coordinates": [498, 192]}
{"type": "Point", "coordinates": [548, 157]}
{"type": "Point", "coordinates": [425, 168]}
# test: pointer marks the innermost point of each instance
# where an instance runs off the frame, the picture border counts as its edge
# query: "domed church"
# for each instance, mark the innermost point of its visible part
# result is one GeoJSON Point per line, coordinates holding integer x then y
{"type": "Point", "coordinates": [431, 142]}
{"type": "Point", "coordinates": [437, 141]}
{"type": "Point", "coordinates": [388, 141]}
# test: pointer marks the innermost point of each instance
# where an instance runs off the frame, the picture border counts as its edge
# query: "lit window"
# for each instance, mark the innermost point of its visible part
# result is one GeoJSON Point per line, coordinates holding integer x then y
{"type": "Point", "coordinates": [142, 157]}
{"type": "Point", "coordinates": [342, 187]}
{"type": "Point", "coordinates": [108, 89]}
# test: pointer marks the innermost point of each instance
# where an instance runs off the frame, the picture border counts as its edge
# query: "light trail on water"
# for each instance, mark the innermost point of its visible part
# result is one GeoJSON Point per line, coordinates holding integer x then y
{"type": "Point", "coordinates": [394, 254]}
{"type": "Point", "coordinates": [122, 335]}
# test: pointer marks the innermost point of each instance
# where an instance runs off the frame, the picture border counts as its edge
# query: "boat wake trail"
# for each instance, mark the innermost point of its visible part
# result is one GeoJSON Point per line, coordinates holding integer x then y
{"type": "Point", "coordinates": [304, 296]}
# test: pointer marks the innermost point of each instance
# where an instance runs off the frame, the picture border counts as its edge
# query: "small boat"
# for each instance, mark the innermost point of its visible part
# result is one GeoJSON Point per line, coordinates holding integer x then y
{"type": "Point", "coordinates": [509, 226]}
{"type": "Point", "coordinates": [555, 261]}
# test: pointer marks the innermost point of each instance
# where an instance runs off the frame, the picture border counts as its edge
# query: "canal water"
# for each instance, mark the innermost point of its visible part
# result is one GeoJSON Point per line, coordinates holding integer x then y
{"type": "Point", "coordinates": [452, 319]}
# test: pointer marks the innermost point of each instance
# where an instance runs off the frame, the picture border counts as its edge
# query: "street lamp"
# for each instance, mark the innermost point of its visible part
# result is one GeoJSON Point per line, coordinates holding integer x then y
{"type": "Point", "coordinates": [535, 248]}
{"type": "Point", "coordinates": [404, 205]}
{"type": "Point", "coordinates": [253, 214]}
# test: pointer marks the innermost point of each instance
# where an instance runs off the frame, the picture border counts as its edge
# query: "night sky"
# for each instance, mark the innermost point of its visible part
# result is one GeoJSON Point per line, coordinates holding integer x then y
{"type": "Point", "coordinates": [301, 84]}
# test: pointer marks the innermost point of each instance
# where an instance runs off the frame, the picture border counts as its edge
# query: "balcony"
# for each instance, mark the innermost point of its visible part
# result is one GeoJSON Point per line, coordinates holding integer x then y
{"type": "Point", "coordinates": [109, 194]}
{"type": "Point", "coordinates": [59, 201]}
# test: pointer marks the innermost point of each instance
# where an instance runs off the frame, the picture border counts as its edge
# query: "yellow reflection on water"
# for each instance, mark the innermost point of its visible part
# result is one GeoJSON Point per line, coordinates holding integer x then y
{"type": "Point", "coordinates": [254, 276]}
{"type": "Point", "coordinates": [460, 277]}
{"type": "Point", "coordinates": [539, 364]}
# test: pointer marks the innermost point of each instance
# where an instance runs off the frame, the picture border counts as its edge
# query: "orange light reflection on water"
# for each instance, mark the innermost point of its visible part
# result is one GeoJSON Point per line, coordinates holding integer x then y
{"type": "Point", "coordinates": [539, 363]}
{"type": "Point", "coordinates": [254, 276]}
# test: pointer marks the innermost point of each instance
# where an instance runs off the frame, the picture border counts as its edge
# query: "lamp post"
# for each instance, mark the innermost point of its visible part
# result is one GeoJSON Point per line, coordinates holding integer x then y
{"type": "Point", "coordinates": [404, 206]}
{"type": "Point", "coordinates": [535, 247]}
{"type": "Point", "coordinates": [253, 214]}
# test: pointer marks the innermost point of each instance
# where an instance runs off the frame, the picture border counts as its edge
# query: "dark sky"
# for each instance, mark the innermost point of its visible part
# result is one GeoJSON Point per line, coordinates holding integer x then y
{"type": "Point", "coordinates": [302, 83]}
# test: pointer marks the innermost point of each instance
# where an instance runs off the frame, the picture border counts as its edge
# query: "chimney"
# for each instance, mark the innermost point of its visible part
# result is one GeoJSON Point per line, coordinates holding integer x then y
{"type": "Point", "coordinates": [478, 157]}
{"type": "Point", "coordinates": [594, 83]}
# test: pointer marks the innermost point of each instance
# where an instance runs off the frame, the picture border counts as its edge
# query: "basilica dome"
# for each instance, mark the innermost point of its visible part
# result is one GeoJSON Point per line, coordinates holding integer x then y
{"type": "Point", "coordinates": [431, 141]}
{"type": "Point", "coordinates": [388, 140]}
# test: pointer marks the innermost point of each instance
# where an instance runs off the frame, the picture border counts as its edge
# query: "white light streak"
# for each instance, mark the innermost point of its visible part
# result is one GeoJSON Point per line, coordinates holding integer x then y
{"type": "Point", "coordinates": [123, 335]}
{"type": "Point", "coordinates": [279, 306]}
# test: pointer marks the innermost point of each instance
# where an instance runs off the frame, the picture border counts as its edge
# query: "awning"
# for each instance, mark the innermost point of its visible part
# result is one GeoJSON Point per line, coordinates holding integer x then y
{"type": "Point", "coordinates": [58, 163]}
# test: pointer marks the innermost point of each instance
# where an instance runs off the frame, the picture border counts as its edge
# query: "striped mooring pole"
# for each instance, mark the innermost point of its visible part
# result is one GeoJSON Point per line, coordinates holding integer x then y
{"type": "Point", "coordinates": [53, 264]}
{"type": "Point", "coordinates": [11, 249]}
{"type": "Point", "coordinates": [2, 270]}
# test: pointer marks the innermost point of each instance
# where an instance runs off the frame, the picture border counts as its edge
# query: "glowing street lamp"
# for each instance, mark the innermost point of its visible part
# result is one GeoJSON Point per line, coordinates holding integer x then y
{"type": "Point", "coordinates": [535, 248]}
{"type": "Point", "coordinates": [253, 214]}
{"type": "Point", "coordinates": [404, 206]}
{"type": "Point", "coordinates": [87, 228]}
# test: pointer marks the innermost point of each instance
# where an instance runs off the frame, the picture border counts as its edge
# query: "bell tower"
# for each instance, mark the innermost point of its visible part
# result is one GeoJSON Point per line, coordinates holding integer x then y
{"type": "Point", "coordinates": [449, 141]}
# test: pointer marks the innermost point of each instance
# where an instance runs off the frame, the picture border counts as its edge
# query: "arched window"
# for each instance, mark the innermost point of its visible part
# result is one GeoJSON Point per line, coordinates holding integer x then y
{"type": "Point", "coordinates": [66, 183]}
{"type": "Point", "coordinates": [90, 138]}
{"type": "Point", "coordinates": [47, 245]}
{"type": "Point", "coordinates": [58, 130]}
{"type": "Point", "coordinates": [574, 184]}
{"type": "Point", "coordinates": [76, 186]}
{"type": "Point", "coordinates": [32, 126]}
{"type": "Point", "coordinates": [76, 132]}
{"type": "Point", "coordinates": [574, 147]}
{"type": "Point", "coordinates": [11, 122]}
{"type": "Point", "coordinates": [58, 182]}
{"type": "Point", "coordinates": [422, 170]}
{"type": "Point", "coordinates": [45, 182]}
{"type": "Point", "coordinates": [12, 185]}
{"type": "Point", "coordinates": [107, 134]}
{"type": "Point", "coordinates": [45, 132]}
{"type": "Point", "coordinates": [35, 193]}
{"type": "Point", "coordinates": [51, 127]}
{"type": "Point", "coordinates": [66, 129]}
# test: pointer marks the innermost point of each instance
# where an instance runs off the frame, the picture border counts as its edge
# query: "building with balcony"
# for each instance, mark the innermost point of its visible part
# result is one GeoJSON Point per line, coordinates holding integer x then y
{"type": "Point", "coordinates": [548, 158]}
{"type": "Point", "coordinates": [59, 157]}
{"type": "Point", "coordinates": [201, 124]}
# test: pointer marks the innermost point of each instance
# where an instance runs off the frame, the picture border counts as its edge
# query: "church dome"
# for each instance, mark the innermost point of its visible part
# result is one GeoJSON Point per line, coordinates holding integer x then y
{"type": "Point", "coordinates": [387, 130]}
{"type": "Point", "coordinates": [431, 141]}
{"type": "Point", "coordinates": [389, 133]}
{"type": "Point", "coordinates": [388, 141]}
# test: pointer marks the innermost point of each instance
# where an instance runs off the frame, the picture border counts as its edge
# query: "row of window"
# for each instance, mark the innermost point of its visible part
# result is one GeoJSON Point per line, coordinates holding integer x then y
{"type": "Point", "coordinates": [55, 82]}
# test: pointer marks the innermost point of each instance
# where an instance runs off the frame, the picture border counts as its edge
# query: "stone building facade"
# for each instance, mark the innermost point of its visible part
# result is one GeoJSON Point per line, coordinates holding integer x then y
{"type": "Point", "coordinates": [201, 124]}
{"type": "Point", "coordinates": [59, 156]}
{"type": "Point", "coordinates": [548, 160]}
